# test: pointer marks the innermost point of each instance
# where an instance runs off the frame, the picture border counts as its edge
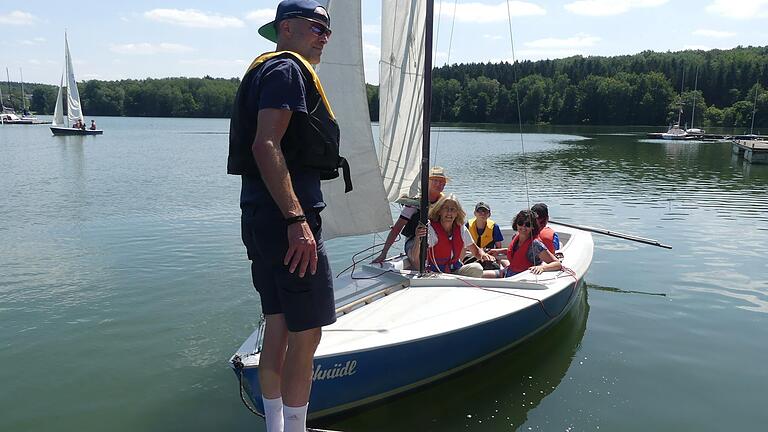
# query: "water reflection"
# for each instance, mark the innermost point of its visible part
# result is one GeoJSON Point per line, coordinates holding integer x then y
{"type": "Point", "coordinates": [510, 386]}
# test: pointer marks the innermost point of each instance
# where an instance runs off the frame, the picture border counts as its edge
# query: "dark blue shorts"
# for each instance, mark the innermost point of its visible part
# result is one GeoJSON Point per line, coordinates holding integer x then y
{"type": "Point", "coordinates": [306, 302]}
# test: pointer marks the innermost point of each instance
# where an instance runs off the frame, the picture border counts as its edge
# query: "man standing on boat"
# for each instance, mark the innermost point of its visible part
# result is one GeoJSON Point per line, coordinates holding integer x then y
{"type": "Point", "coordinates": [281, 122]}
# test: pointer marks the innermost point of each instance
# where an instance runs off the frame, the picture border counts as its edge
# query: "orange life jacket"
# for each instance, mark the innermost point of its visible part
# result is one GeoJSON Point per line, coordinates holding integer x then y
{"type": "Point", "coordinates": [445, 255]}
{"type": "Point", "coordinates": [547, 236]}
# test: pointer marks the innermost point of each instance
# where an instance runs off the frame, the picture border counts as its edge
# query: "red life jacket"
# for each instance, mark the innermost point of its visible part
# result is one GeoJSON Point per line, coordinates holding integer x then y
{"type": "Point", "coordinates": [446, 254]}
{"type": "Point", "coordinates": [518, 259]}
{"type": "Point", "coordinates": [547, 236]}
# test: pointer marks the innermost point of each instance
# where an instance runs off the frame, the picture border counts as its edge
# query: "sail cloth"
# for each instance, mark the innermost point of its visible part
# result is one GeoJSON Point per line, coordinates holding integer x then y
{"type": "Point", "coordinates": [401, 94]}
{"type": "Point", "coordinates": [58, 112]}
{"type": "Point", "coordinates": [365, 209]}
{"type": "Point", "coordinates": [74, 111]}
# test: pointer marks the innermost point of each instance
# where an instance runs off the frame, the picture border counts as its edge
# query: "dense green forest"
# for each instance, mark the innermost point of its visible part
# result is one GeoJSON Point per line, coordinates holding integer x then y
{"type": "Point", "coordinates": [640, 89]}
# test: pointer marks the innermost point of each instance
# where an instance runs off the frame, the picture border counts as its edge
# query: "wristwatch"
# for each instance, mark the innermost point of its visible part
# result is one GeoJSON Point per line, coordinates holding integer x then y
{"type": "Point", "coordinates": [296, 219]}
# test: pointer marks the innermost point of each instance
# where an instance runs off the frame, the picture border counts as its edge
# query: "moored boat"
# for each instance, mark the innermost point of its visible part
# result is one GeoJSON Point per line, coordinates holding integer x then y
{"type": "Point", "coordinates": [675, 132]}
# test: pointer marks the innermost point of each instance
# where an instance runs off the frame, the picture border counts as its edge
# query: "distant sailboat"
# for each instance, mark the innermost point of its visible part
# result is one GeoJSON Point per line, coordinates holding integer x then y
{"type": "Point", "coordinates": [74, 110]}
{"type": "Point", "coordinates": [9, 116]}
{"type": "Point", "coordinates": [675, 132]}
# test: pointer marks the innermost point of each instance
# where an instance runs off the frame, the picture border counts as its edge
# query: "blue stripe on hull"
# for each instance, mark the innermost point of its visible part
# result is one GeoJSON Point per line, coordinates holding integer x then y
{"type": "Point", "coordinates": [344, 381]}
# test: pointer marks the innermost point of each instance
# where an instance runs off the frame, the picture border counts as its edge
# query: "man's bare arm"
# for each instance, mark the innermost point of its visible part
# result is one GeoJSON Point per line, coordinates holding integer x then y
{"type": "Point", "coordinates": [269, 158]}
{"type": "Point", "coordinates": [302, 249]}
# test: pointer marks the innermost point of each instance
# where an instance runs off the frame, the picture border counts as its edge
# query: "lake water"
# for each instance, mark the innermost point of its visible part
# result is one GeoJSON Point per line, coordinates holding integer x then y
{"type": "Point", "coordinates": [124, 288]}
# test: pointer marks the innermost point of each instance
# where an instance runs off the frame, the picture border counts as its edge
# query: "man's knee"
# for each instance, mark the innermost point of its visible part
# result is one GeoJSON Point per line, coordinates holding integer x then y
{"type": "Point", "coordinates": [306, 340]}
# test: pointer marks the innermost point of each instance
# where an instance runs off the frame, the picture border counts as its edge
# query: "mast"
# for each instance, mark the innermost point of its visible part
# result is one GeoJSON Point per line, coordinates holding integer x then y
{"type": "Point", "coordinates": [695, 86]}
{"type": "Point", "coordinates": [754, 109]}
{"type": "Point", "coordinates": [10, 98]}
{"type": "Point", "coordinates": [426, 128]}
{"type": "Point", "coordinates": [23, 99]}
{"type": "Point", "coordinates": [680, 113]}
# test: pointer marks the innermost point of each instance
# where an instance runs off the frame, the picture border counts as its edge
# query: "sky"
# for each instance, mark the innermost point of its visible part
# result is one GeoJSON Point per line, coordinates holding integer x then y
{"type": "Point", "coordinates": [139, 39]}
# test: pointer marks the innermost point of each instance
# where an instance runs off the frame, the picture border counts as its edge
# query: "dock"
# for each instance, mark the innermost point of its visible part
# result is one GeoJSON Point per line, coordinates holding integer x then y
{"type": "Point", "coordinates": [753, 151]}
{"type": "Point", "coordinates": [711, 137]}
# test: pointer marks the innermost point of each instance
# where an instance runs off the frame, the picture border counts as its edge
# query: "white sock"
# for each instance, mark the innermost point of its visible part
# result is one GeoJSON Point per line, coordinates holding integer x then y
{"type": "Point", "coordinates": [295, 418]}
{"type": "Point", "coordinates": [273, 414]}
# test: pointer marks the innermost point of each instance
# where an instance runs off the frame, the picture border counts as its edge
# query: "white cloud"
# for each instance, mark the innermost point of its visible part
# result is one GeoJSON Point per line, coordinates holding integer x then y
{"type": "Point", "coordinates": [719, 34]}
{"type": "Point", "coordinates": [33, 41]}
{"type": "Point", "coordinates": [537, 54]}
{"type": "Point", "coordinates": [213, 62]}
{"type": "Point", "coordinates": [371, 29]}
{"type": "Point", "coordinates": [37, 62]}
{"type": "Point", "coordinates": [17, 18]}
{"type": "Point", "coordinates": [261, 15]}
{"type": "Point", "coordinates": [739, 9]}
{"type": "Point", "coordinates": [193, 18]}
{"type": "Point", "coordinates": [483, 13]}
{"type": "Point", "coordinates": [579, 41]}
{"type": "Point", "coordinates": [371, 50]}
{"type": "Point", "coordinates": [609, 7]}
{"type": "Point", "coordinates": [150, 49]}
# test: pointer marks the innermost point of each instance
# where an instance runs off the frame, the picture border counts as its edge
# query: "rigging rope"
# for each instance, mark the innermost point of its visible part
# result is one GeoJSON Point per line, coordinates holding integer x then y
{"type": "Point", "coordinates": [517, 99]}
{"type": "Point", "coordinates": [447, 61]}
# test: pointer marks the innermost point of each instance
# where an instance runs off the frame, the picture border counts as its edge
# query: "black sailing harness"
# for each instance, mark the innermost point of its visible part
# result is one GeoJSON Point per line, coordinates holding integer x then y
{"type": "Point", "coordinates": [311, 141]}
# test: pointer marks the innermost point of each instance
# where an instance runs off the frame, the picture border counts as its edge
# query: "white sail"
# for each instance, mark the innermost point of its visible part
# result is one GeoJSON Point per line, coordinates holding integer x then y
{"type": "Point", "coordinates": [58, 112]}
{"type": "Point", "coordinates": [401, 94]}
{"type": "Point", "coordinates": [74, 111]}
{"type": "Point", "coordinates": [365, 209]}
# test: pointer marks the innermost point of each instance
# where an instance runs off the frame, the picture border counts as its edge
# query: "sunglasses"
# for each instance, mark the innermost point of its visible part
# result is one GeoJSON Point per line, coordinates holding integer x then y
{"type": "Point", "coordinates": [319, 30]}
{"type": "Point", "coordinates": [526, 224]}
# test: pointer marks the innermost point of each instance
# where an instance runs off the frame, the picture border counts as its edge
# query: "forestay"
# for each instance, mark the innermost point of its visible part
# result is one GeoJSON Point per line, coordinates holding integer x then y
{"type": "Point", "coordinates": [365, 209]}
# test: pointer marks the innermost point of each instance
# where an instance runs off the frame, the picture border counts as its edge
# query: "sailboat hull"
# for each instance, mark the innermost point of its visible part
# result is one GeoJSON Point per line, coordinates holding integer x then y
{"type": "Point", "coordinates": [60, 131]}
{"type": "Point", "coordinates": [427, 329]}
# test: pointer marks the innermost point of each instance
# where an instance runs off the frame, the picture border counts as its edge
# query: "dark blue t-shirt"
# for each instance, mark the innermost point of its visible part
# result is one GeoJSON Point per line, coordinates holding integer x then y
{"type": "Point", "coordinates": [279, 84]}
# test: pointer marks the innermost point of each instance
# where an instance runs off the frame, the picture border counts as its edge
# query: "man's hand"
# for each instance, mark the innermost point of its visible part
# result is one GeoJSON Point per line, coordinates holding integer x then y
{"type": "Point", "coordinates": [302, 249]}
{"type": "Point", "coordinates": [379, 259]}
{"type": "Point", "coordinates": [421, 231]}
{"type": "Point", "coordinates": [486, 257]}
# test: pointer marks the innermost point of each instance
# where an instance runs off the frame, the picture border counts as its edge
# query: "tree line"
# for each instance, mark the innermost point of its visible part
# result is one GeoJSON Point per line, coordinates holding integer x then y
{"type": "Point", "coordinates": [718, 87]}
{"type": "Point", "coordinates": [640, 89]}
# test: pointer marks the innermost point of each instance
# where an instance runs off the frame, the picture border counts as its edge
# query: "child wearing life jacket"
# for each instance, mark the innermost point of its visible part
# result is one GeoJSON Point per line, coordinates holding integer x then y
{"type": "Point", "coordinates": [526, 251]}
{"type": "Point", "coordinates": [485, 233]}
{"type": "Point", "coordinates": [447, 240]}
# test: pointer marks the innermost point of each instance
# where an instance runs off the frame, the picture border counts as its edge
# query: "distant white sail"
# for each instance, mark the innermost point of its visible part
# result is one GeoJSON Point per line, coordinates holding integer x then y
{"type": "Point", "coordinates": [58, 112]}
{"type": "Point", "coordinates": [401, 94]}
{"type": "Point", "coordinates": [365, 209]}
{"type": "Point", "coordinates": [74, 110]}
